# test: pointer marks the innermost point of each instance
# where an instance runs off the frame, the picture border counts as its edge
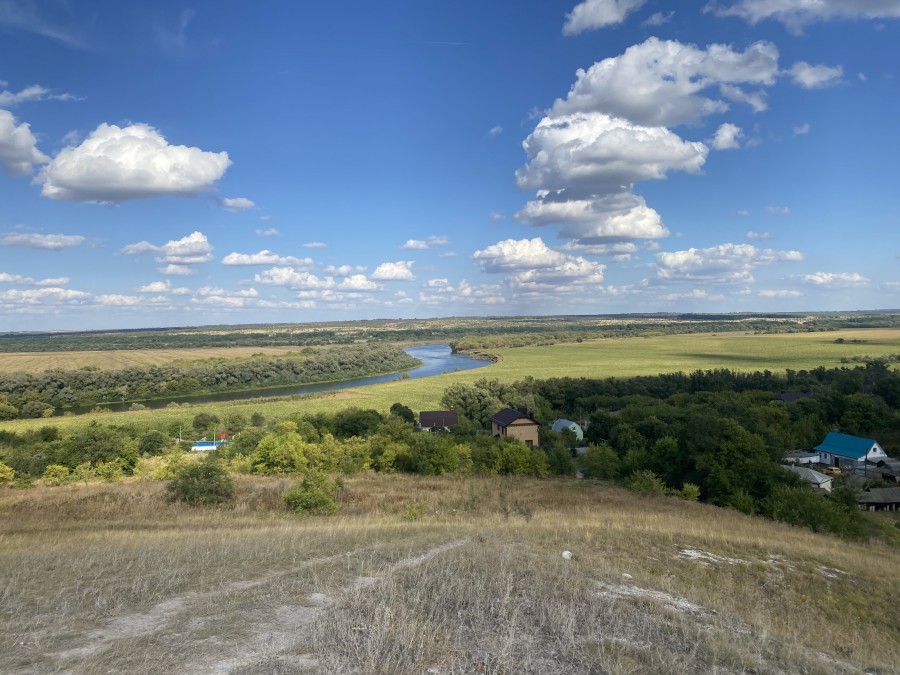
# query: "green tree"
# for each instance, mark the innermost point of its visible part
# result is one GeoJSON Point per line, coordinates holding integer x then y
{"type": "Point", "coordinates": [315, 494]}
{"type": "Point", "coordinates": [403, 412]}
{"type": "Point", "coordinates": [202, 483]}
{"type": "Point", "coordinates": [601, 462]}
{"type": "Point", "coordinates": [153, 443]}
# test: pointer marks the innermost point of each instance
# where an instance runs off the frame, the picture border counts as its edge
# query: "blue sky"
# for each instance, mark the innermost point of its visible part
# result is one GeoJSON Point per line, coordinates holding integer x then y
{"type": "Point", "coordinates": [228, 162]}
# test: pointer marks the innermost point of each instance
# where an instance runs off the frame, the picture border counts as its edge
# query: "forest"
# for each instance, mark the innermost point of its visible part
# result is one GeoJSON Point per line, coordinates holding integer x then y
{"type": "Point", "coordinates": [31, 395]}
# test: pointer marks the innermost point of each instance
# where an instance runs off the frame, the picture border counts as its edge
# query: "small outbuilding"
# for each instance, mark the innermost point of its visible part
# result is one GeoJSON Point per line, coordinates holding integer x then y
{"type": "Point", "coordinates": [818, 480]}
{"type": "Point", "coordinates": [880, 499]}
{"type": "Point", "coordinates": [515, 424]}
{"type": "Point", "coordinates": [438, 420]}
{"type": "Point", "coordinates": [844, 450]}
{"type": "Point", "coordinates": [561, 425]}
{"type": "Point", "coordinates": [801, 457]}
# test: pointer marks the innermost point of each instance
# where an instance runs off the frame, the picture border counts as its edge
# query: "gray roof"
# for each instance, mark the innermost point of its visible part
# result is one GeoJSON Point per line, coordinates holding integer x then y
{"type": "Point", "coordinates": [801, 454]}
{"type": "Point", "coordinates": [889, 495]}
{"type": "Point", "coordinates": [561, 424]}
{"type": "Point", "coordinates": [438, 418]}
{"type": "Point", "coordinates": [809, 475]}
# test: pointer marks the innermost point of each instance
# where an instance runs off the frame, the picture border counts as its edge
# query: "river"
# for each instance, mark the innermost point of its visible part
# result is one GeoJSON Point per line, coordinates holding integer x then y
{"type": "Point", "coordinates": [436, 360]}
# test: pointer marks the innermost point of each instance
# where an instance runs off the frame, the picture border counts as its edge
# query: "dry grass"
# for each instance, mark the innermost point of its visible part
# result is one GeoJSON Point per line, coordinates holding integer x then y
{"type": "Point", "coordinates": [451, 574]}
{"type": "Point", "coordinates": [32, 362]}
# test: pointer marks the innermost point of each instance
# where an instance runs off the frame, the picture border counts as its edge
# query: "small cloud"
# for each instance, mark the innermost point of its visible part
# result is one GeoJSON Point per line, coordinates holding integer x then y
{"type": "Point", "coordinates": [495, 131]}
{"type": "Point", "coordinates": [156, 287]}
{"type": "Point", "coordinates": [777, 211]}
{"type": "Point", "coordinates": [761, 236]}
{"type": "Point", "coordinates": [658, 19]}
{"type": "Point", "coordinates": [315, 244]}
{"type": "Point", "coordinates": [177, 270]}
{"type": "Point", "coordinates": [6, 278]}
{"type": "Point", "coordinates": [394, 271]}
{"type": "Point", "coordinates": [52, 242]}
{"type": "Point", "coordinates": [448, 254]}
{"type": "Point", "coordinates": [141, 247]}
{"type": "Point", "coordinates": [835, 279]}
{"type": "Point", "coordinates": [264, 257]}
{"type": "Point", "coordinates": [862, 77]}
{"type": "Point", "coordinates": [779, 294]}
{"type": "Point", "coordinates": [815, 77]}
{"type": "Point", "coordinates": [496, 216]}
{"type": "Point", "coordinates": [727, 137]}
{"type": "Point", "coordinates": [414, 244]}
{"type": "Point", "coordinates": [743, 213]}
{"type": "Point", "coordinates": [436, 240]}
{"type": "Point", "coordinates": [34, 92]}
{"type": "Point", "coordinates": [236, 204]}
{"type": "Point", "coordinates": [271, 232]}
{"type": "Point", "coordinates": [802, 130]}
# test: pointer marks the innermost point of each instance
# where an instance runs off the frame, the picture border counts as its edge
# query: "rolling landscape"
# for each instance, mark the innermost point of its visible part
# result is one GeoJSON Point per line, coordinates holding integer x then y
{"type": "Point", "coordinates": [449, 338]}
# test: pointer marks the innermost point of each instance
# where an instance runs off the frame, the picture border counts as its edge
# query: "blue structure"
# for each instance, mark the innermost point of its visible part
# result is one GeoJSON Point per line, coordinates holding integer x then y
{"type": "Point", "coordinates": [205, 446]}
{"type": "Point", "coordinates": [838, 449]}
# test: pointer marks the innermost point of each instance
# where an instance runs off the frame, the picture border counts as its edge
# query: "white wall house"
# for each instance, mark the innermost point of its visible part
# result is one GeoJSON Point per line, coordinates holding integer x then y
{"type": "Point", "coordinates": [841, 449]}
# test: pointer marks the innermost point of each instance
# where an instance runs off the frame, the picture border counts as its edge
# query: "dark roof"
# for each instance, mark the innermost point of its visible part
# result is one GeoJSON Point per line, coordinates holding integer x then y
{"type": "Point", "coordinates": [438, 418]}
{"type": "Point", "coordinates": [801, 454]}
{"type": "Point", "coordinates": [889, 495]}
{"type": "Point", "coordinates": [842, 445]}
{"type": "Point", "coordinates": [507, 416]}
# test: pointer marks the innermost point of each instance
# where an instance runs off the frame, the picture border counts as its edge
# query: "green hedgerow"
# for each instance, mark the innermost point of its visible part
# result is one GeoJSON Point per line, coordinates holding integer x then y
{"type": "Point", "coordinates": [315, 494]}
{"type": "Point", "coordinates": [203, 483]}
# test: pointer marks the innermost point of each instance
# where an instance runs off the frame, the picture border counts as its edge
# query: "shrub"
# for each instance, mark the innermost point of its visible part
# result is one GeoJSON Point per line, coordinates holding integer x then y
{"type": "Point", "coordinates": [600, 461]}
{"type": "Point", "coordinates": [7, 475]}
{"type": "Point", "coordinates": [257, 419]}
{"type": "Point", "coordinates": [203, 483]}
{"type": "Point", "coordinates": [152, 443]}
{"type": "Point", "coordinates": [743, 502]}
{"type": "Point", "coordinates": [110, 471]}
{"type": "Point", "coordinates": [646, 483]}
{"type": "Point", "coordinates": [56, 474]}
{"type": "Point", "coordinates": [315, 494]}
{"type": "Point", "coordinates": [690, 492]}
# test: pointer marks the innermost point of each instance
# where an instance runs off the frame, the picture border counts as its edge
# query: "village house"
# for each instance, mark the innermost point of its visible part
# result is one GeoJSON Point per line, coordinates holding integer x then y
{"type": "Point", "coordinates": [842, 450]}
{"type": "Point", "coordinates": [880, 499]}
{"type": "Point", "coordinates": [818, 480]}
{"type": "Point", "coordinates": [515, 424]}
{"type": "Point", "coordinates": [438, 420]}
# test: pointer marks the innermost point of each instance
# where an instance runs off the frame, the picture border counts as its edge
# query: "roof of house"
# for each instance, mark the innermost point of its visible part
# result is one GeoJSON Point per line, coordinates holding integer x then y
{"type": "Point", "coordinates": [561, 424]}
{"type": "Point", "coordinates": [809, 475]}
{"type": "Point", "coordinates": [507, 416]}
{"type": "Point", "coordinates": [843, 445]}
{"type": "Point", "coordinates": [889, 495]}
{"type": "Point", "coordinates": [438, 418]}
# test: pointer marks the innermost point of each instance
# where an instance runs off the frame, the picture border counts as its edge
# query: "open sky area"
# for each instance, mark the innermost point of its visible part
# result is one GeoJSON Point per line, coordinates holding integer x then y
{"type": "Point", "coordinates": [232, 162]}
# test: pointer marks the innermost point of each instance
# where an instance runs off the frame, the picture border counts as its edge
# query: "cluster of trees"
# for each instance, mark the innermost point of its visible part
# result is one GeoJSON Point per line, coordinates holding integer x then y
{"type": "Point", "coordinates": [718, 436]}
{"type": "Point", "coordinates": [38, 394]}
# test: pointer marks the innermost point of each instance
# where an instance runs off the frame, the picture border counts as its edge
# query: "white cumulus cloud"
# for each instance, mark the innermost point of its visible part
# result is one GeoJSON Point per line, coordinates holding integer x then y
{"type": "Point", "coordinates": [115, 164]}
{"type": "Point", "coordinates": [190, 250]}
{"type": "Point", "coordinates": [265, 257]}
{"type": "Point", "coordinates": [727, 137]}
{"type": "Point", "coordinates": [394, 271]}
{"type": "Point", "coordinates": [235, 204]}
{"type": "Point", "coordinates": [835, 279]}
{"type": "Point", "coordinates": [6, 278]}
{"type": "Point", "coordinates": [725, 263]}
{"type": "Point", "coordinates": [592, 14]}
{"type": "Point", "coordinates": [18, 146]}
{"type": "Point", "coordinates": [815, 77]}
{"type": "Point", "coordinates": [795, 14]}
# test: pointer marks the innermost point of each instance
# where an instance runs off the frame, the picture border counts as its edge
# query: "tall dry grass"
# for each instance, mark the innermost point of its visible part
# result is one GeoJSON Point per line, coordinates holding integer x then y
{"type": "Point", "coordinates": [415, 573]}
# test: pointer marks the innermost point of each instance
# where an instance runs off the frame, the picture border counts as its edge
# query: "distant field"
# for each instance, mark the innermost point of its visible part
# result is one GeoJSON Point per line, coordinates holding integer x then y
{"type": "Point", "coordinates": [602, 358]}
{"type": "Point", "coordinates": [30, 362]}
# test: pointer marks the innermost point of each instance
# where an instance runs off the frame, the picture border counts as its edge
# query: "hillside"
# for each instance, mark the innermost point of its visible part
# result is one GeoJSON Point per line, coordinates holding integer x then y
{"type": "Point", "coordinates": [433, 575]}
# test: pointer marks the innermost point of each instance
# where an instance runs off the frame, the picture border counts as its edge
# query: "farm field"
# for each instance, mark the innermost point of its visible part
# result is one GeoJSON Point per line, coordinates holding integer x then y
{"type": "Point", "coordinates": [454, 574]}
{"type": "Point", "coordinates": [622, 357]}
{"type": "Point", "coordinates": [31, 362]}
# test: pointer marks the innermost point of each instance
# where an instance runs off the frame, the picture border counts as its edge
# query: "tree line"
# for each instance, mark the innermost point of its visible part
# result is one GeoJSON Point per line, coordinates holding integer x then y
{"type": "Point", "coordinates": [39, 394]}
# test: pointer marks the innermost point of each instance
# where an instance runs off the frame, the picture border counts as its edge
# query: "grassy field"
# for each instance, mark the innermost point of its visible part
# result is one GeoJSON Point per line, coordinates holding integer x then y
{"type": "Point", "coordinates": [438, 575]}
{"type": "Point", "coordinates": [602, 358]}
{"type": "Point", "coordinates": [31, 362]}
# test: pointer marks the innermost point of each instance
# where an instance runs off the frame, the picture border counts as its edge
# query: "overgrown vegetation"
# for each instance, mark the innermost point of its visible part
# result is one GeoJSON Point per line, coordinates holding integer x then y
{"type": "Point", "coordinates": [39, 394]}
{"type": "Point", "coordinates": [204, 483]}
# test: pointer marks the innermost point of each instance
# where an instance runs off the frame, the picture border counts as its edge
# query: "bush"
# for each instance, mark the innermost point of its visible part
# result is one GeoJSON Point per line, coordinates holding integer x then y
{"type": "Point", "coordinates": [7, 475]}
{"type": "Point", "coordinates": [315, 494]}
{"type": "Point", "coordinates": [110, 471]}
{"type": "Point", "coordinates": [600, 461]}
{"type": "Point", "coordinates": [203, 483]}
{"type": "Point", "coordinates": [646, 483]}
{"type": "Point", "coordinates": [690, 492]}
{"type": "Point", "coordinates": [152, 443]}
{"type": "Point", "coordinates": [56, 474]}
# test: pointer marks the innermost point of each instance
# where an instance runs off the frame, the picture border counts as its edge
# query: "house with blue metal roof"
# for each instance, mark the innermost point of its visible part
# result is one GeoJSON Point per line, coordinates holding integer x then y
{"type": "Point", "coordinates": [842, 449]}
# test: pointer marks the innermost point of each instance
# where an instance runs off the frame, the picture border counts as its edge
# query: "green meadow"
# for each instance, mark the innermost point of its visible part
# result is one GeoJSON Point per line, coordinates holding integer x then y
{"type": "Point", "coordinates": [621, 357]}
